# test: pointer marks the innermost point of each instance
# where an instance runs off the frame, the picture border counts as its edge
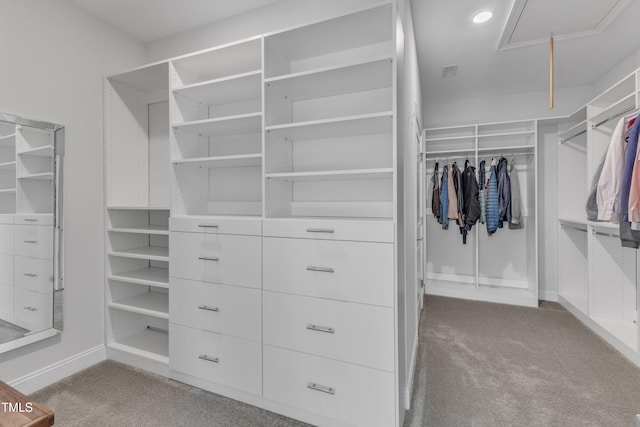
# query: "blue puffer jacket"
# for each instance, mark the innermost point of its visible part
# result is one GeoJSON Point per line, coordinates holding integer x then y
{"type": "Point", "coordinates": [444, 199]}
{"type": "Point", "coordinates": [492, 201]}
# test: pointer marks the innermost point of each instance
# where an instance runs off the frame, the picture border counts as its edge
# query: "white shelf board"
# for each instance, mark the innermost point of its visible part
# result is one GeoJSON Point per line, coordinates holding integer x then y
{"type": "Point", "coordinates": [151, 253]}
{"type": "Point", "coordinates": [241, 160]}
{"type": "Point", "coordinates": [226, 90]}
{"type": "Point", "coordinates": [334, 175]}
{"type": "Point", "coordinates": [573, 131]}
{"type": "Point", "coordinates": [151, 229]}
{"type": "Point", "coordinates": [154, 304]}
{"type": "Point", "coordinates": [511, 148]}
{"type": "Point", "coordinates": [45, 176]}
{"type": "Point", "coordinates": [7, 190]}
{"type": "Point", "coordinates": [455, 151]}
{"type": "Point", "coordinates": [8, 165]}
{"type": "Point", "coordinates": [137, 208]}
{"type": "Point", "coordinates": [333, 81]}
{"type": "Point", "coordinates": [330, 68]}
{"type": "Point", "coordinates": [615, 109]}
{"type": "Point", "coordinates": [507, 134]}
{"type": "Point", "coordinates": [146, 343]}
{"type": "Point", "coordinates": [364, 124]}
{"type": "Point", "coordinates": [148, 78]}
{"type": "Point", "coordinates": [152, 276]}
{"type": "Point", "coordinates": [7, 139]}
{"type": "Point", "coordinates": [580, 224]}
{"type": "Point", "coordinates": [625, 331]}
{"type": "Point", "coordinates": [606, 227]}
{"type": "Point", "coordinates": [44, 151]}
{"type": "Point", "coordinates": [451, 138]}
{"type": "Point", "coordinates": [224, 126]}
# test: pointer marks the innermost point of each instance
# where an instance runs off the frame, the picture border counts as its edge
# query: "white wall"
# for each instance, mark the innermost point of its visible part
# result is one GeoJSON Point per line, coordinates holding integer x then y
{"type": "Point", "coordinates": [54, 58]}
{"type": "Point", "coordinates": [275, 16]}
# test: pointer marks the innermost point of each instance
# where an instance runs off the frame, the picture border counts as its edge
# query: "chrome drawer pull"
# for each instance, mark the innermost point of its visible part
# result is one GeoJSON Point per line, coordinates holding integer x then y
{"type": "Point", "coordinates": [320, 230]}
{"type": "Point", "coordinates": [319, 328]}
{"type": "Point", "coordinates": [31, 241]}
{"type": "Point", "coordinates": [204, 258]}
{"type": "Point", "coordinates": [207, 226]}
{"type": "Point", "coordinates": [207, 308]}
{"type": "Point", "coordinates": [30, 275]}
{"type": "Point", "coordinates": [208, 358]}
{"type": "Point", "coordinates": [321, 269]}
{"type": "Point", "coordinates": [31, 308]}
{"type": "Point", "coordinates": [322, 388]}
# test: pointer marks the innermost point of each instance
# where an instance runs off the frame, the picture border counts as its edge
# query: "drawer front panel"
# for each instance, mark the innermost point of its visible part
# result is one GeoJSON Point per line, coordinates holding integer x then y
{"type": "Point", "coordinates": [348, 393]}
{"type": "Point", "coordinates": [225, 259]}
{"type": "Point", "coordinates": [34, 241]}
{"type": "Point", "coordinates": [6, 302]}
{"type": "Point", "coordinates": [230, 310]}
{"type": "Point", "coordinates": [6, 239]}
{"type": "Point", "coordinates": [6, 270]}
{"type": "Point", "coordinates": [27, 219]}
{"type": "Point", "coordinates": [35, 274]}
{"type": "Point", "coordinates": [233, 362]}
{"type": "Point", "coordinates": [33, 309]}
{"type": "Point", "coordinates": [348, 271]}
{"type": "Point", "coordinates": [356, 333]}
{"type": "Point", "coordinates": [209, 225]}
{"type": "Point", "coordinates": [364, 231]}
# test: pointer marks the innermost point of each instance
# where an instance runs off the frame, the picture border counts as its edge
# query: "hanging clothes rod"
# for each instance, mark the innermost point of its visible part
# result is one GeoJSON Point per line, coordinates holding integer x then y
{"type": "Point", "coordinates": [153, 328]}
{"type": "Point", "coordinates": [615, 116]}
{"type": "Point", "coordinates": [481, 156]}
{"type": "Point", "coordinates": [573, 136]}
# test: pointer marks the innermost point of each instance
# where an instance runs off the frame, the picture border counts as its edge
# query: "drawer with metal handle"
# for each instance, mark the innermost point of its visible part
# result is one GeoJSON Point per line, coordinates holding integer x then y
{"type": "Point", "coordinates": [230, 310]}
{"type": "Point", "coordinates": [351, 332]}
{"type": "Point", "coordinates": [348, 393]}
{"type": "Point", "coordinates": [361, 231]}
{"type": "Point", "coordinates": [225, 259]}
{"type": "Point", "coordinates": [208, 225]}
{"type": "Point", "coordinates": [221, 359]}
{"type": "Point", "coordinates": [34, 241]}
{"type": "Point", "coordinates": [349, 271]}
{"type": "Point", "coordinates": [33, 273]}
{"type": "Point", "coordinates": [33, 310]}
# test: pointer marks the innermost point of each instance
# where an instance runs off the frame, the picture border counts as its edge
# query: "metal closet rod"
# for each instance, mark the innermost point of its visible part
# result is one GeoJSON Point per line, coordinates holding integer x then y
{"type": "Point", "coordinates": [615, 116]}
{"type": "Point", "coordinates": [486, 156]}
{"type": "Point", "coordinates": [600, 233]}
{"type": "Point", "coordinates": [573, 136]}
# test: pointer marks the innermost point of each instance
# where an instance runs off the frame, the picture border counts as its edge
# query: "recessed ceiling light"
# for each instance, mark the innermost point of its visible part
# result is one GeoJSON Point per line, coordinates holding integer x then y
{"type": "Point", "coordinates": [482, 17]}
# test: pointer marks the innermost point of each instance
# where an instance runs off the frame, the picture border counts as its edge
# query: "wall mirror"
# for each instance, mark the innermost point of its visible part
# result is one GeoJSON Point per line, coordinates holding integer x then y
{"type": "Point", "coordinates": [31, 280]}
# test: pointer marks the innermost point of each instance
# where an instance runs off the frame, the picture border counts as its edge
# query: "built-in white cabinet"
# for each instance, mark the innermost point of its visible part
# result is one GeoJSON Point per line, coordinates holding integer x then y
{"type": "Point", "coordinates": [251, 219]}
{"type": "Point", "coordinates": [502, 267]}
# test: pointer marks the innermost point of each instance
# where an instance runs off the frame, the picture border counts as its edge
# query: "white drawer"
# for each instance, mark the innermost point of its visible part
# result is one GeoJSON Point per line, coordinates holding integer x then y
{"type": "Point", "coordinates": [35, 241]}
{"type": "Point", "coordinates": [7, 219]}
{"type": "Point", "coordinates": [33, 309]}
{"type": "Point", "coordinates": [355, 271]}
{"type": "Point", "coordinates": [361, 396]}
{"type": "Point", "coordinates": [233, 362]}
{"type": "Point", "coordinates": [6, 239]}
{"type": "Point", "coordinates": [218, 258]}
{"type": "Point", "coordinates": [229, 310]}
{"type": "Point", "coordinates": [364, 231]}
{"type": "Point", "coordinates": [34, 219]}
{"type": "Point", "coordinates": [35, 274]}
{"type": "Point", "coordinates": [217, 225]}
{"type": "Point", "coordinates": [6, 302]}
{"type": "Point", "coordinates": [356, 333]}
{"type": "Point", "coordinates": [6, 270]}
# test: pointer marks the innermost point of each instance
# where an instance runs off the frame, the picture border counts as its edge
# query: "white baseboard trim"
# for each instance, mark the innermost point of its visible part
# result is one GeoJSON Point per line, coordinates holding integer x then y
{"type": "Point", "coordinates": [407, 392]}
{"type": "Point", "coordinates": [548, 296]}
{"type": "Point", "coordinates": [50, 374]}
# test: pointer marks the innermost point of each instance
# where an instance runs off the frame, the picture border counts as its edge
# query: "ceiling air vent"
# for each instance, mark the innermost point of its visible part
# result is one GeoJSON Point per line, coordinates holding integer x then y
{"type": "Point", "coordinates": [449, 71]}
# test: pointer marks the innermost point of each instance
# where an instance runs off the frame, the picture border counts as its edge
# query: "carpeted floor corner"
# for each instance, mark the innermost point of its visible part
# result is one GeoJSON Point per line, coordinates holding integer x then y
{"type": "Point", "coordinates": [111, 394]}
{"type": "Point", "coordinates": [484, 364]}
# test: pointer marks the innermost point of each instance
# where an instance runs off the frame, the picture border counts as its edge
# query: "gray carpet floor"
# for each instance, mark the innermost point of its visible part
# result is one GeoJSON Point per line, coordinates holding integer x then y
{"type": "Point", "coordinates": [483, 364]}
{"type": "Point", "coordinates": [9, 331]}
{"type": "Point", "coordinates": [479, 364]}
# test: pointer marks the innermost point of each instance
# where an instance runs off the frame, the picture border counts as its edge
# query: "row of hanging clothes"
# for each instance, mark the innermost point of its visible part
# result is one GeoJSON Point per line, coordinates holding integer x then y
{"type": "Point", "coordinates": [492, 198]}
{"type": "Point", "coordinates": [614, 194]}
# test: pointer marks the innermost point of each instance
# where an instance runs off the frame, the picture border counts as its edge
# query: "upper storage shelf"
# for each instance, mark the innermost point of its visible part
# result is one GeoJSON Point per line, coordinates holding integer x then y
{"type": "Point", "coordinates": [217, 63]}
{"type": "Point", "coordinates": [356, 37]}
{"type": "Point", "coordinates": [150, 78]}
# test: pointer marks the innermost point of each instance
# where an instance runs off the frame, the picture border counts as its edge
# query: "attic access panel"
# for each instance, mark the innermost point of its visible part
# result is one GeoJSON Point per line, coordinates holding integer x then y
{"type": "Point", "coordinates": [533, 21]}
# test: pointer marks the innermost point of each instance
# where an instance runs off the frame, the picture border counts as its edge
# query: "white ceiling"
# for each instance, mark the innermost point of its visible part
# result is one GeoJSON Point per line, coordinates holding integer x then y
{"type": "Point", "coordinates": [446, 35]}
{"type": "Point", "coordinates": [148, 20]}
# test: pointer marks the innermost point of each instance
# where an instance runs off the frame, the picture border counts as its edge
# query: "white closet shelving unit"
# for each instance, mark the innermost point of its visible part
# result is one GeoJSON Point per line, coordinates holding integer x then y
{"type": "Point", "coordinates": [597, 277]}
{"type": "Point", "coordinates": [282, 178]}
{"type": "Point", "coordinates": [137, 216]}
{"type": "Point", "coordinates": [498, 268]}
